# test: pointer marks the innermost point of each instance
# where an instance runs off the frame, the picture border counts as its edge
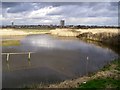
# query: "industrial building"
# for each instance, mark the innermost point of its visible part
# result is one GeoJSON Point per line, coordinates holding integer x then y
{"type": "Point", "coordinates": [62, 23]}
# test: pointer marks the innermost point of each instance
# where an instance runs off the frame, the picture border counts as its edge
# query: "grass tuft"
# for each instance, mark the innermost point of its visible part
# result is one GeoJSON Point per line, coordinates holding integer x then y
{"type": "Point", "coordinates": [11, 43]}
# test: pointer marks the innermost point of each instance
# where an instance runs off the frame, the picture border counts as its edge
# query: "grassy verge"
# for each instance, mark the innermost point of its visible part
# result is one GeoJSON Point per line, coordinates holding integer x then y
{"type": "Point", "coordinates": [11, 43]}
{"type": "Point", "coordinates": [111, 81]}
{"type": "Point", "coordinates": [102, 83]}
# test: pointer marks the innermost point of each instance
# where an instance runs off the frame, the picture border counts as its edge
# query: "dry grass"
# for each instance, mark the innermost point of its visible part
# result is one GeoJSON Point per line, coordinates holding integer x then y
{"type": "Point", "coordinates": [98, 30]}
{"type": "Point", "coordinates": [10, 43]}
{"type": "Point", "coordinates": [58, 32]}
{"type": "Point", "coordinates": [76, 32]}
{"type": "Point", "coordinates": [64, 32]}
{"type": "Point", "coordinates": [6, 32]}
{"type": "Point", "coordinates": [11, 32]}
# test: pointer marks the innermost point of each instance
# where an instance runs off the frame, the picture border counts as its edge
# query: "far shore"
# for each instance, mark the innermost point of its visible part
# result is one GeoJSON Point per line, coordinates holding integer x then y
{"type": "Point", "coordinates": [76, 32]}
{"type": "Point", "coordinates": [21, 32]}
{"type": "Point", "coordinates": [105, 35]}
{"type": "Point", "coordinates": [57, 31]}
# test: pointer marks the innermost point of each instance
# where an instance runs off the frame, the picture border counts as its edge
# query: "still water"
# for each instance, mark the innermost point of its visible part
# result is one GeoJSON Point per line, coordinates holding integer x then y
{"type": "Point", "coordinates": [53, 60]}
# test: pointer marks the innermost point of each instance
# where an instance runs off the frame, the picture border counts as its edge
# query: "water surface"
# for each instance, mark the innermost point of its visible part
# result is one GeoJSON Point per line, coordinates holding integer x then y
{"type": "Point", "coordinates": [53, 60]}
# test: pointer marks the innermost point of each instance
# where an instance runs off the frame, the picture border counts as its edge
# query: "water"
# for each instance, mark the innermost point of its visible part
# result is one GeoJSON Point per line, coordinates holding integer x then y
{"type": "Point", "coordinates": [53, 60]}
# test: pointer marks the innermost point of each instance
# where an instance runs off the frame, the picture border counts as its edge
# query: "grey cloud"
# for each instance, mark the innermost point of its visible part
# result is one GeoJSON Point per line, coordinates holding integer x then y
{"type": "Point", "coordinates": [56, 4]}
{"type": "Point", "coordinates": [20, 8]}
{"type": "Point", "coordinates": [65, 10]}
{"type": "Point", "coordinates": [10, 4]}
{"type": "Point", "coordinates": [87, 10]}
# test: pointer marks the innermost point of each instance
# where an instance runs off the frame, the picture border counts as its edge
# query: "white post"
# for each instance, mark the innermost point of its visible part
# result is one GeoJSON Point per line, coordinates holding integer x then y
{"type": "Point", "coordinates": [87, 57]}
{"type": "Point", "coordinates": [8, 57]}
{"type": "Point", "coordinates": [87, 65]}
{"type": "Point", "coordinates": [29, 55]}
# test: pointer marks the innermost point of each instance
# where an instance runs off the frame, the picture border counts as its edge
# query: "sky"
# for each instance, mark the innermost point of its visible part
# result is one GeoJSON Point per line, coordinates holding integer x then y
{"type": "Point", "coordinates": [47, 13]}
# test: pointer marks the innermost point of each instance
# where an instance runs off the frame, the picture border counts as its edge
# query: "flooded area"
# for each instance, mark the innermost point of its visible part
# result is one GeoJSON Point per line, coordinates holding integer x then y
{"type": "Point", "coordinates": [52, 60]}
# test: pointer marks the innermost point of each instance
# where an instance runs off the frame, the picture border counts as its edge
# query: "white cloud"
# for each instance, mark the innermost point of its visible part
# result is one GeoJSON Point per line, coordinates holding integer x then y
{"type": "Point", "coordinates": [42, 12]}
{"type": "Point", "coordinates": [84, 13]}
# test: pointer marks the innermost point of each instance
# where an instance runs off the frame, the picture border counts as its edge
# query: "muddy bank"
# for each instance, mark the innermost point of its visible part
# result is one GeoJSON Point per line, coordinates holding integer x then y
{"type": "Point", "coordinates": [107, 36]}
{"type": "Point", "coordinates": [109, 39]}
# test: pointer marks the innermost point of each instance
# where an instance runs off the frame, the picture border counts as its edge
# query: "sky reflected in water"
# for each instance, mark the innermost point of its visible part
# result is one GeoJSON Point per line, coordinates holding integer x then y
{"type": "Point", "coordinates": [54, 60]}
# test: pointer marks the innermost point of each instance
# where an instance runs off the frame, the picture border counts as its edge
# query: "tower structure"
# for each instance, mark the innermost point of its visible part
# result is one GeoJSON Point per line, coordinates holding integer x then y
{"type": "Point", "coordinates": [62, 23]}
{"type": "Point", "coordinates": [12, 23]}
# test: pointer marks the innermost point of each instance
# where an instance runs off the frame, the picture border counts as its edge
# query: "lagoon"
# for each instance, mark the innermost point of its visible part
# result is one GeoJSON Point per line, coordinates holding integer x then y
{"type": "Point", "coordinates": [54, 59]}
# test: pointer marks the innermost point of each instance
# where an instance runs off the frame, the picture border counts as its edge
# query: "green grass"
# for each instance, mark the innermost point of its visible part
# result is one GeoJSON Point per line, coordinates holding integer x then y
{"type": "Point", "coordinates": [117, 62]}
{"type": "Point", "coordinates": [109, 82]}
{"type": "Point", "coordinates": [101, 83]}
{"type": "Point", "coordinates": [11, 43]}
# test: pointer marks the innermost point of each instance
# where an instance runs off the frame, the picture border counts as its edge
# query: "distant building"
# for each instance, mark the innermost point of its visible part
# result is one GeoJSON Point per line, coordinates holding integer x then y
{"type": "Point", "coordinates": [12, 23]}
{"type": "Point", "coordinates": [62, 23]}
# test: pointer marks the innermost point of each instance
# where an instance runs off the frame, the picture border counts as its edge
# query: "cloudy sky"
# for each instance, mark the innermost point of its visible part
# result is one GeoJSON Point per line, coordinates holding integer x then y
{"type": "Point", "coordinates": [87, 13]}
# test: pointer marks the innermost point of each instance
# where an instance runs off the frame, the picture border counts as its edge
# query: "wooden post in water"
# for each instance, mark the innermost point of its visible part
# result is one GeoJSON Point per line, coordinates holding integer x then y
{"type": "Point", "coordinates": [87, 65]}
{"type": "Point", "coordinates": [29, 56]}
{"type": "Point", "coordinates": [87, 57]}
{"type": "Point", "coordinates": [8, 57]}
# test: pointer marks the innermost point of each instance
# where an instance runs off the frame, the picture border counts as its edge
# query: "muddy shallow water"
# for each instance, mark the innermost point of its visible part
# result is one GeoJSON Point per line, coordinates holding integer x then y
{"type": "Point", "coordinates": [53, 60]}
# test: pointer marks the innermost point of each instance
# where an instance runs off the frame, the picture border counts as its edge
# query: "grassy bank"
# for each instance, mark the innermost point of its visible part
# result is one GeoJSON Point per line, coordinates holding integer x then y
{"type": "Point", "coordinates": [102, 83]}
{"type": "Point", "coordinates": [12, 37]}
{"type": "Point", "coordinates": [112, 47]}
{"type": "Point", "coordinates": [10, 43]}
{"type": "Point", "coordinates": [107, 37]}
{"type": "Point", "coordinates": [111, 81]}
{"type": "Point", "coordinates": [66, 32]}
